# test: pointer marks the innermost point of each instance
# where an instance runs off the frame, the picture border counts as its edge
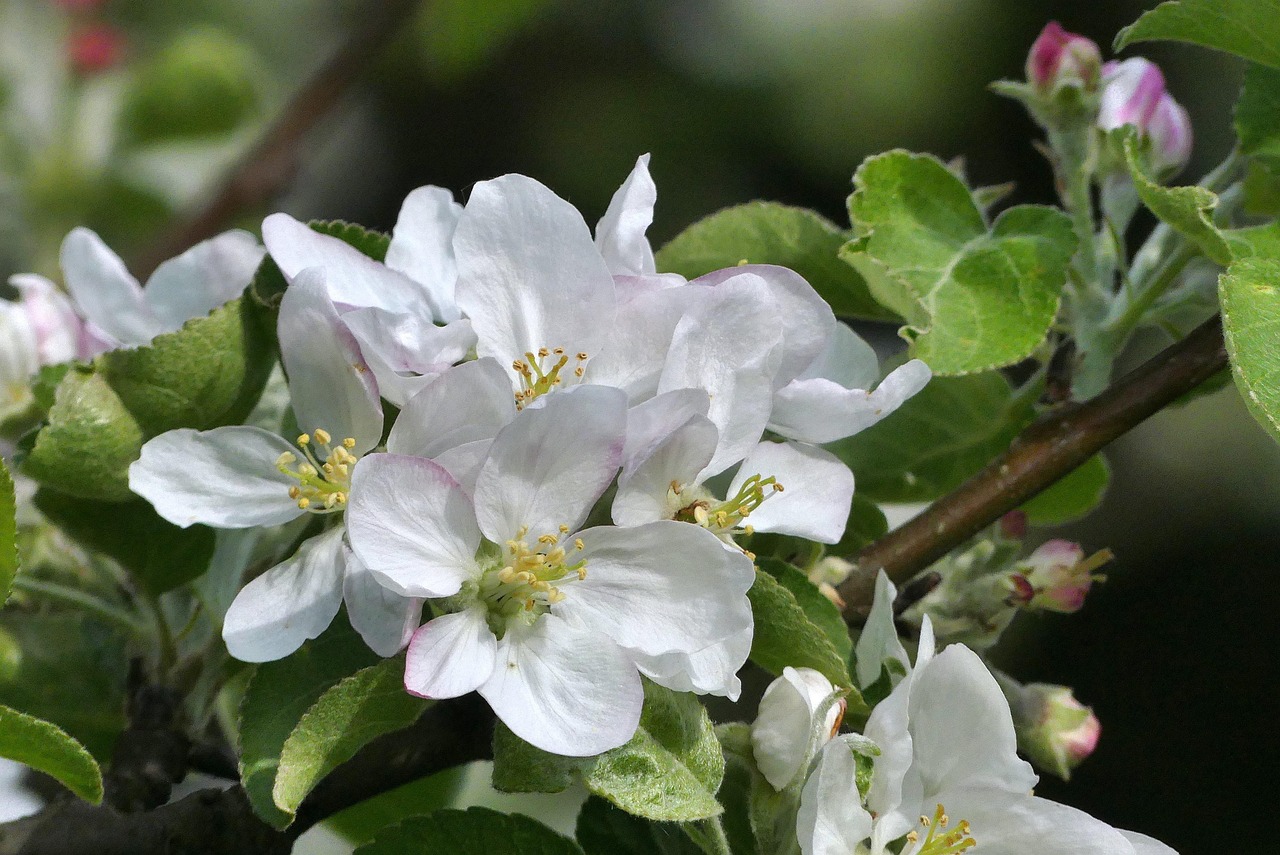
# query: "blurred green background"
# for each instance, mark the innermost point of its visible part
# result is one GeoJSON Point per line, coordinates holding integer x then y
{"type": "Point", "coordinates": [736, 100]}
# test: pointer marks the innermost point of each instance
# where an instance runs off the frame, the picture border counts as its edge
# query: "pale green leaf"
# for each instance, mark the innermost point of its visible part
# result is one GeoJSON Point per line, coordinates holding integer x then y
{"type": "Point", "coordinates": [1250, 295]}
{"type": "Point", "coordinates": [784, 634]}
{"type": "Point", "coordinates": [343, 720]}
{"type": "Point", "coordinates": [47, 748]}
{"type": "Point", "coordinates": [770, 233]}
{"type": "Point", "coordinates": [1247, 28]}
{"type": "Point", "coordinates": [1258, 114]}
{"type": "Point", "coordinates": [1189, 210]}
{"type": "Point", "coordinates": [1071, 497]}
{"type": "Point", "coordinates": [475, 831]}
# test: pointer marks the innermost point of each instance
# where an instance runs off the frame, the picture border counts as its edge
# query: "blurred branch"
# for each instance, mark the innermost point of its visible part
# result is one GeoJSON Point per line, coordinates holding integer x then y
{"type": "Point", "coordinates": [1045, 452]}
{"type": "Point", "coordinates": [267, 168]}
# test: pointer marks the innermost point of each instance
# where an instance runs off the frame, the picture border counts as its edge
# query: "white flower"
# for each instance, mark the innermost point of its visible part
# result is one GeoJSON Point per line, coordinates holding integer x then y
{"type": "Point", "coordinates": [553, 626]}
{"type": "Point", "coordinates": [242, 477]}
{"type": "Point", "coordinates": [878, 644]}
{"type": "Point", "coordinates": [948, 773]}
{"type": "Point", "coordinates": [799, 713]}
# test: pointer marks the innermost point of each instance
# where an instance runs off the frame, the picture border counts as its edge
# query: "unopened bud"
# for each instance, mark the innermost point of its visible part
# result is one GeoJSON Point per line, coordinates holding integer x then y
{"type": "Point", "coordinates": [1057, 576]}
{"type": "Point", "coordinates": [1013, 525]}
{"type": "Point", "coordinates": [1131, 92]}
{"type": "Point", "coordinates": [1170, 133]}
{"type": "Point", "coordinates": [787, 731]}
{"type": "Point", "coordinates": [1054, 729]}
{"type": "Point", "coordinates": [1059, 58]}
{"type": "Point", "coordinates": [95, 48]}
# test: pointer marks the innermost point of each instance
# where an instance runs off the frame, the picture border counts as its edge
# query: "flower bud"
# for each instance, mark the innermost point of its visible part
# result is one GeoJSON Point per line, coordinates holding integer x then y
{"type": "Point", "coordinates": [1013, 525]}
{"type": "Point", "coordinates": [1056, 577]}
{"type": "Point", "coordinates": [1054, 729]}
{"type": "Point", "coordinates": [95, 48]}
{"type": "Point", "coordinates": [1170, 133]}
{"type": "Point", "coordinates": [1059, 58]}
{"type": "Point", "coordinates": [1131, 92]}
{"type": "Point", "coordinates": [798, 715]}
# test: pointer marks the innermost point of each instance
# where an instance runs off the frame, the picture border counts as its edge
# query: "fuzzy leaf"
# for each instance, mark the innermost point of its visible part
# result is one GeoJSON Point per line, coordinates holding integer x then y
{"type": "Point", "coordinates": [974, 298]}
{"type": "Point", "coordinates": [519, 767]}
{"type": "Point", "coordinates": [1258, 114]}
{"type": "Point", "coordinates": [1071, 497]}
{"type": "Point", "coordinates": [770, 233]}
{"type": "Point", "coordinates": [1250, 295]}
{"type": "Point", "coordinates": [343, 720]}
{"type": "Point", "coordinates": [475, 831]}
{"type": "Point", "coordinates": [821, 611]}
{"type": "Point", "coordinates": [784, 634]}
{"type": "Point", "coordinates": [1247, 28]}
{"type": "Point", "coordinates": [605, 830]}
{"type": "Point", "coordinates": [1189, 210]}
{"type": "Point", "coordinates": [47, 748]}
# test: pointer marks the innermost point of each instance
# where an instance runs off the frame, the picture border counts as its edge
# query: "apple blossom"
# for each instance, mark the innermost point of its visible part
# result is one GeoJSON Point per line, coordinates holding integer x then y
{"type": "Point", "coordinates": [799, 713]}
{"type": "Point", "coordinates": [1060, 58]}
{"type": "Point", "coordinates": [1054, 729]}
{"type": "Point", "coordinates": [1131, 92]}
{"type": "Point", "coordinates": [1056, 577]}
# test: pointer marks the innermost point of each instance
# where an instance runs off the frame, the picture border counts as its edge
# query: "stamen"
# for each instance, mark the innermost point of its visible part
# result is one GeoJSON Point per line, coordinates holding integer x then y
{"type": "Point", "coordinates": [540, 372]}
{"type": "Point", "coordinates": [941, 842]}
{"type": "Point", "coordinates": [323, 484]}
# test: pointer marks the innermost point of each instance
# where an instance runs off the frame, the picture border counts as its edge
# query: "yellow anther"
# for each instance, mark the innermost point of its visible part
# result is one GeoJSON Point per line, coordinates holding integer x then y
{"type": "Point", "coordinates": [307, 471]}
{"type": "Point", "coordinates": [925, 821]}
{"type": "Point", "coordinates": [349, 443]}
{"type": "Point", "coordinates": [304, 503]}
{"type": "Point", "coordinates": [294, 492]}
{"type": "Point", "coordinates": [288, 458]}
{"type": "Point", "coordinates": [578, 544]}
{"type": "Point", "coordinates": [581, 356]}
{"type": "Point", "coordinates": [559, 351]}
{"type": "Point", "coordinates": [579, 371]}
{"type": "Point", "coordinates": [582, 573]}
{"type": "Point", "coordinates": [322, 436]}
{"type": "Point", "coordinates": [912, 836]}
{"type": "Point", "coordinates": [748, 530]}
{"type": "Point", "coordinates": [304, 439]}
{"type": "Point", "coordinates": [548, 539]}
{"type": "Point", "coordinates": [564, 529]}
{"type": "Point", "coordinates": [543, 352]}
{"type": "Point", "coordinates": [777, 488]}
{"type": "Point", "coordinates": [675, 487]}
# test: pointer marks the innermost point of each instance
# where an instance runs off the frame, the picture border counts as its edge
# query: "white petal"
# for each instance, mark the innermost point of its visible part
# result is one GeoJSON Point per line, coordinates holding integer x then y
{"type": "Point", "coordinates": [467, 403]}
{"type": "Point", "coordinates": [329, 383]}
{"type": "Point", "coordinates": [529, 275]}
{"type": "Point", "coordinates": [412, 525]}
{"type": "Point", "coordinates": [633, 355]}
{"type": "Point", "coordinates": [353, 279]}
{"type": "Point", "coordinates": [463, 462]}
{"type": "Point", "coordinates": [713, 670]}
{"type": "Point", "coordinates": [203, 278]}
{"type": "Point", "coordinates": [384, 619]}
{"type": "Point", "coordinates": [831, 821]}
{"type": "Point", "coordinates": [620, 232]}
{"type": "Point", "coordinates": [786, 724]}
{"type": "Point", "coordinates": [888, 727]}
{"type": "Point", "coordinates": [225, 477]}
{"type": "Point", "coordinates": [820, 410]}
{"type": "Point", "coordinates": [405, 351]}
{"type": "Point", "coordinates": [1143, 845]}
{"type": "Point", "coordinates": [422, 245]}
{"type": "Point", "coordinates": [1016, 823]}
{"type": "Point", "coordinates": [450, 655]}
{"type": "Point", "coordinates": [564, 688]}
{"type": "Point", "coordinates": [105, 291]}
{"type": "Point", "coordinates": [660, 587]}
{"type": "Point", "coordinates": [847, 360]}
{"type": "Point", "coordinates": [651, 422]}
{"type": "Point", "coordinates": [291, 602]}
{"type": "Point", "coordinates": [58, 334]}
{"type": "Point", "coordinates": [548, 467]}
{"type": "Point", "coordinates": [879, 640]}
{"type": "Point", "coordinates": [643, 492]}
{"type": "Point", "coordinates": [817, 494]}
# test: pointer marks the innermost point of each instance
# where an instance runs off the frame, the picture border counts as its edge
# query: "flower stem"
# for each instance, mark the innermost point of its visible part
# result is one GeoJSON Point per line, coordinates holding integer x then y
{"type": "Point", "coordinates": [708, 835]}
{"type": "Point", "coordinates": [78, 599]}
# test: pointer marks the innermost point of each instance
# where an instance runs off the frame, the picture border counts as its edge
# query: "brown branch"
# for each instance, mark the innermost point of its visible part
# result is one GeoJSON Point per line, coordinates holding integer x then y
{"type": "Point", "coordinates": [1041, 455]}
{"type": "Point", "coordinates": [267, 168]}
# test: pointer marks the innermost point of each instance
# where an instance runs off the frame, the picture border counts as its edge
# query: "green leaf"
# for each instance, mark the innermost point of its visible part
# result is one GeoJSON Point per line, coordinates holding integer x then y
{"type": "Point", "coordinates": [1071, 497]}
{"type": "Point", "coordinates": [974, 298]}
{"type": "Point", "coordinates": [784, 634]}
{"type": "Point", "coordinates": [156, 552]}
{"type": "Point", "coordinates": [1258, 115]}
{"type": "Point", "coordinates": [1247, 28]}
{"type": "Point", "coordinates": [936, 440]}
{"type": "Point", "coordinates": [820, 611]}
{"type": "Point", "coordinates": [1189, 210]}
{"type": "Point", "coordinates": [770, 233]}
{"type": "Point", "coordinates": [8, 533]}
{"type": "Point", "coordinates": [866, 525]}
{"type": "Point", "coordinates": [360, 823]}
{"type": "Point", "coordinates": [49, 749]}
{"type": "Point", "coordinates": [1250, 295]}
{"type": "Point", "coordinates": [268, 284]}
{"type": "Point", "coordinates": [89, 441]}
{"type": "Point", "coordinates": [343, 720]}
{"type": "Point", "coordinates": [519, 767]}
{"type": "Point", "coordinates": [605, 830]}
{"type": "Point", "coordinates": [475, 831]}
{"type": "Point", "coordinates": [278, 697]}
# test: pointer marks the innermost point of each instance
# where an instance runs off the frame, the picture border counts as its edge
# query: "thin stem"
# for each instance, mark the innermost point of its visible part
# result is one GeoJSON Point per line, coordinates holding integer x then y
{"type": "Point", "coordinates": [79, 599]}
{"type": "Point", "coordinates": [708, 835]}
{"type": "Point", "coordinates": [1134, 308]}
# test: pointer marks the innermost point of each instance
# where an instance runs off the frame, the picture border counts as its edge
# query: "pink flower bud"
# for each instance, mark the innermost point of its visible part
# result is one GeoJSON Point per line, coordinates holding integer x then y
{"type": "Point", "coordinates": [1170, 134]}
{"type": "Point", "coordinates": [1013, 525]}
{"type": "Point", "coordinates": [1058, 575]}
{"type": "Point", "coordinates": [1131, 92]}
{"type": "Point", "coordinates": [1059, 58]}
{"type": "Point", "coordinates": [1054, 729]}
{"type": "Point", "coordinates": [95, 48]}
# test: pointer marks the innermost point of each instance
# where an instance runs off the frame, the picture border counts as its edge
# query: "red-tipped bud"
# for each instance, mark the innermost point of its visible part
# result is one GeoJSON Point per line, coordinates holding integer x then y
{"type": "Point", "coordinates": [95, 48]}
{"type": "Point", "coordinates": [1058, 575]}
{"type": "Point", "coordinates": [1057, 731]}
{"type": "Point", "coordinates": [1059, 58]}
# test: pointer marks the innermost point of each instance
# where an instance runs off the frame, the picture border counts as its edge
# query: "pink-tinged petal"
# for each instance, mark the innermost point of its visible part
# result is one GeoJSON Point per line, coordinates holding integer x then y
{"type": "Point", "coordinates": [406, 352]}
{"type": "Point", "coordinates": [385, 620]}
{"type": "Point", "coordinates": [633, 356]}
{"type": "Point", "coordinates": [644, 492]}
{"type": "Point", "coordinates": [1131, 91]}
{"type": "Point", "coordinates": [1017, 823]}
{"type": "Point", "coordinates": [660, 587]}
{"type": "Point", "coordinates": [57, 331]}
{"type": "Point", "coordinates": [726, 344]}
{"type": "Point", "coordinates": [1143, 845]}
{"type": "Point", "coordinates": [805, 319]}
{"type": "Point", "coordinates": [830, 820]}
{"type": "Point", "coordinates": [105, 291]}
{"type": "Point", "coordinates": [422, 246]}
{"type": "Point", "coordinates": [451, 655]}
{"type": "Point", "coordinates": [651, 422]}
{"type": "Point", "coordinates": [816, 496]}
{"type": "Point", "coordinates": [818, 410]}
{"type": "Point", "coordinates": [329, 383]}
{"type": "Point", "coordinates": [564, 688]}
{"type": "Point", "coordinates": [412, 525]}
{"type": "Point", "coordinates": [713, 670]}
{"type": "Point", "coordinates": [203, 278]}
{"type": "Point", "coordinates": [467, 403]}
{"type": "Point", "coordinates": [354, 280]}
{"type": "Point", "coordinates": [225, 477]}
{"type": "Point", "coordinates": [620, 232]}
{"type": "Point", "coordinates": [290, 603]}
{"type": "Point", "coordinates": [529, 275]}
{"type": "Point", "coordinates": [548, 467]}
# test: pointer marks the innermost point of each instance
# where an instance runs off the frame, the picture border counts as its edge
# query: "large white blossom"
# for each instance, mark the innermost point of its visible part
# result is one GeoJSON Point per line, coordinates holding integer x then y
{"type": "Point", "coordinates": [551, 624]}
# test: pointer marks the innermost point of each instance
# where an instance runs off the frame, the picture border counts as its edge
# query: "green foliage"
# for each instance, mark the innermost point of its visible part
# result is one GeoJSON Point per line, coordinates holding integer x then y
{"type": "Point", "coordinates": [277, 700]}
{"type": "Point", "coordinates": [475, 831]}
{"type": "Point", "coordinates": [974, 298]}
{"type": "Point", "coordinates": [940, 437]}
{"type": "Point", "coordinates": [770, 233]}
{"type": "Point", "coordinates": [457, 37]}
{"type": "Point", "coordinates": [1258, 115]}
{"type": "Point", "coordinates": [360, 823]}
{"type": "Point", "coordinates": [8, 533]}
{"type": "Point", "coordinates": [769, 814]}
{"type": "Point", "coordinates": [785, 635]}
{"type": "Point", "coordinates": [1189, 210]}
{"type": "Point", "coordinates": [1073, 496]}
{"type": "Point", "coordinates": [820, 610]}
{"type": "Point", "coordinates": [344, 719]}
{"type": "Point", "coordinates": [518, 767]}
{"type": "Point", "coordinates": [1250, 295]}
{"type": "Point", "coordinates": [1247, 28]}
{"type": "Point", "coordinates": [866, 525]}
{"type": "Point", "coordinates": [268, 283]}
{"type": "Point", "coordinates": [605, 830]}
{"type": "Point", "coordinates": [49, 749]}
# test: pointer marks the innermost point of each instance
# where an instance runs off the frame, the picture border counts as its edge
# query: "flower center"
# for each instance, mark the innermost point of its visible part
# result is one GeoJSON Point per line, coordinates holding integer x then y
{"type": "Point", "coordinates": [723, 517]}
{"type": "Point", "coordinates": [323, 472]}
{"type": "Point", "coordinates": [540, 372]}
{"type": "Point", "coordinates": [525, 585]}
{"type": "Point", "coordinates": [939, 841]}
